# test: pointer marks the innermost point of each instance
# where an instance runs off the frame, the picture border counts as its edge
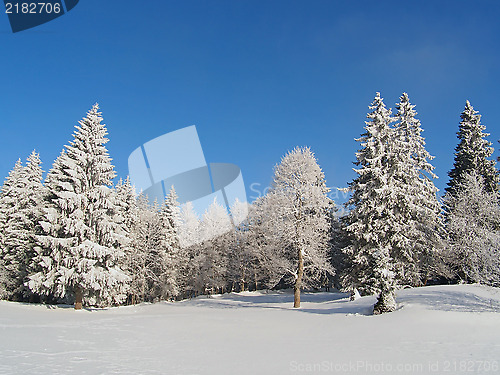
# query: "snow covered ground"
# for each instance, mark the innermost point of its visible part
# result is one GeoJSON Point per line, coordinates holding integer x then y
{"type": "Point", "coordinates": [436, 330]}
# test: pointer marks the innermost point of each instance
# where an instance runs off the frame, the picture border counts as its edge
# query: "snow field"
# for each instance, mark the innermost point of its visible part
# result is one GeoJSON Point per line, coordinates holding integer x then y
{"type": "Point", "coordinates": [442, 329]}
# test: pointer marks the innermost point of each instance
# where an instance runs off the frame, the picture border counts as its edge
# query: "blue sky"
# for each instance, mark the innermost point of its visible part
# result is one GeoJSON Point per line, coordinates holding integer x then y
{"type": "Point", "coordinates": [257, 78]}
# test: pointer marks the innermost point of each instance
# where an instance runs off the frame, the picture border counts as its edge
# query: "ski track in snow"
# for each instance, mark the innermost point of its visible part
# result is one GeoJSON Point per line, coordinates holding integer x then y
{"type": "Point", "coordinates": [259, 333]}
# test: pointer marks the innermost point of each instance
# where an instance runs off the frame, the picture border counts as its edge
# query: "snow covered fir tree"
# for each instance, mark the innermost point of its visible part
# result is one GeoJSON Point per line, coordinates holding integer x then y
{"type": "Point", "coordinates": [80, 237]}
{"type": "Point", "coordinates": [471, 204]}
{"type": "Point", "coordinates": [473, 152]}
{"type": "Point", "coordinates": [373, 221]}
{"type": "Point", "coordinates": [420, 242]}
{"type": "Point", "coordinates": [78, 252]}
{"type": "Point", "coordinates": [395, 230]}
{"type": "Point", "coordinates": [20, 211]}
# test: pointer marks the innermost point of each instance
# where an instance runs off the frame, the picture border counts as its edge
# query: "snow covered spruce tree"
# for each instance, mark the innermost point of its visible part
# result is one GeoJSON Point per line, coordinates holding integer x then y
{"type": "Point", "coordinates": [472, 153]}
{"type": "Point", "coordinates": [174, 257]}
{"type": "Point", "coordinates": [154, 257]}
{"type": "Point", "coordinates": [142, 252]}
{"type": "Point", "coordinates": [418, 238]}
{"type": "Point", "coordinates": [20, 211]}
{"type": "Point", "coordinates": [472, 163]}
{"type": "Point", "coordinates": [299, 217]}
{"type": "Point", "coordinates": [128, 213]}
{"type": "Point", "coordinates": [9, 269]}
{"type": "Point", "coordinates": [474, 230]}
{"type": "Point", "coordinates": [79, 252]}
{"type": "Point", "coordinates": [371, 221]}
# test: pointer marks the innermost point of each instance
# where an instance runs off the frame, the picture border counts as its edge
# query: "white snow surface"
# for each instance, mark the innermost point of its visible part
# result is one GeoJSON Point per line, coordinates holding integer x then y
{"type": "Point", "coordinates": [435, 330]}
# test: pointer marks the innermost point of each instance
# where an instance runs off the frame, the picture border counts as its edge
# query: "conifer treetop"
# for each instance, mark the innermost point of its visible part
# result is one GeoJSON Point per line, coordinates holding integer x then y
{"type": "Point", "coordinates": [88, 148]}
{"type": "Point", "coordinates": [473, 152]}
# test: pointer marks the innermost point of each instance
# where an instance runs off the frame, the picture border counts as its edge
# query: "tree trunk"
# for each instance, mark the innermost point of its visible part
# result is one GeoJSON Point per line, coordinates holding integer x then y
{"type": "Point", "coordinates": [298, 281]}
{"type": "Point", "coordinates": [242, 283]}
{"type": "Point", "coordinates": [78, 298]}
{"type": "Point", "coordinates": [385, 303]}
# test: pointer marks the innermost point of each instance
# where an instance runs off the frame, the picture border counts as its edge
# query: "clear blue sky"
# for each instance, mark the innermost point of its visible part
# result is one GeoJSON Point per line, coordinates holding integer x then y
{"type": "Point", "coordinates": [257, 77]}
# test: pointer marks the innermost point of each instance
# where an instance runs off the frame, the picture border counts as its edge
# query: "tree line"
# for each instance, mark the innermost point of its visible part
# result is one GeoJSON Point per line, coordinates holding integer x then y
{"type": "Point", "coordinates": [77, 237]}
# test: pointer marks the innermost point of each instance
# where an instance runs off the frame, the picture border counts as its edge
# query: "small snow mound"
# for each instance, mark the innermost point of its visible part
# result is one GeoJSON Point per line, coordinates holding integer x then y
{"type": "Point", "coordinates": [354, 295]}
